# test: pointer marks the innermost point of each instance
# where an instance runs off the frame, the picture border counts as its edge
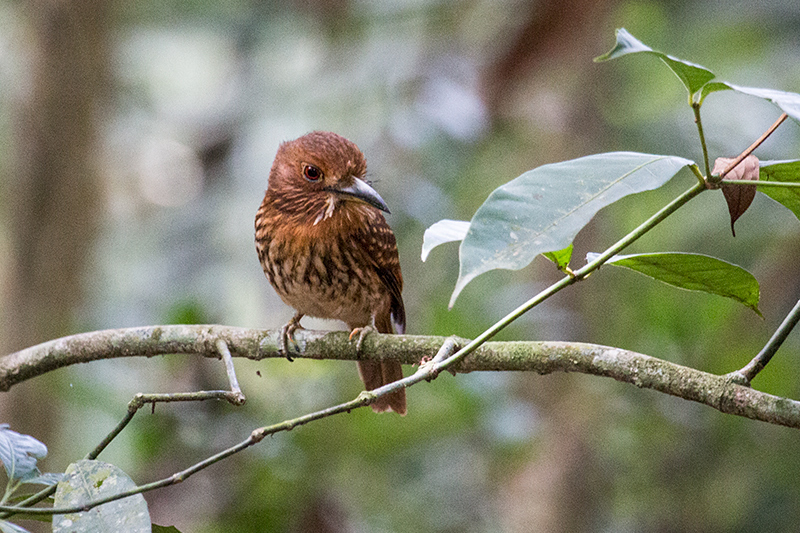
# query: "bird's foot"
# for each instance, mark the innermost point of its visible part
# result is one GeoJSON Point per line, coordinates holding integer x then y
{"type": "Point", "coordinates": [362, 333]}
{"type": "Point", "coordinates": [286, 337]}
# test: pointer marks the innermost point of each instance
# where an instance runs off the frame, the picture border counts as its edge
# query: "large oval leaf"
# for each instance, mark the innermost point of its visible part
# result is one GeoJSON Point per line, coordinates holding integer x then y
{"type": "Point", "coordinates": [696, 272]}
{"type": "Point", "coordinates": [87, 480]}
{"type": "Point", "coordinates": [543, 209]}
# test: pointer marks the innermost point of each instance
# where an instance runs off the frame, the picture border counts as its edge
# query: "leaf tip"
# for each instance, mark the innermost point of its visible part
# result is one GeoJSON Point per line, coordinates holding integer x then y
{"type": "Point", "coordinates": [442, 232]}
{"type": "Point", "coordinates": [463, 281]}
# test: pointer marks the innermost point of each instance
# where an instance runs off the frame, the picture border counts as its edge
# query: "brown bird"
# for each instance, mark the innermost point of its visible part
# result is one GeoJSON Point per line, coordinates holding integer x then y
{"type": "Point", "coordinates": [327, 250]}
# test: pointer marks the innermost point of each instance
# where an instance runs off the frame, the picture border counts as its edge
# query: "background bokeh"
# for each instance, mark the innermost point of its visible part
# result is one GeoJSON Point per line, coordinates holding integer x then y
{"type": "Point", "coordinates": [135, 143]}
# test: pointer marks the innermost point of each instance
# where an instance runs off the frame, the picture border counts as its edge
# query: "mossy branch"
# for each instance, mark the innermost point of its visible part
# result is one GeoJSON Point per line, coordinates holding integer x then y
{"type": "Point", "coordinates": [719, 392]}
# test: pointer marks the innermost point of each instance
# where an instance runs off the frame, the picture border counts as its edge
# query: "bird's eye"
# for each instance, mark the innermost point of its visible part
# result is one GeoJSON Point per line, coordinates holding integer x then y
{"type": "Point", "coordinates": [312, 173]}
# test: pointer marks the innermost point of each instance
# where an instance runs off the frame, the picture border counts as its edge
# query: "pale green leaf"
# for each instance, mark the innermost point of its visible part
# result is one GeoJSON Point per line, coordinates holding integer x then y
{"type": "Point", "coordinates": [442, 232]}
{"type": "Point", "coordinates": [19, 454]}
{"type": "Point", "coordinates": [87, 480]}
{"type": "Point", "coordinates": [788, 102]}
{"type": "Point", "coordinates": [543, 209]}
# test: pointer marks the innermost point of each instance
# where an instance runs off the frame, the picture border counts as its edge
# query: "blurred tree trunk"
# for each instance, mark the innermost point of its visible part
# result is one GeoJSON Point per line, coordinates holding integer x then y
{"type": "Point", "coordinates": [561, 489]}
{"type": "Point", "coordinates": [52, 193]}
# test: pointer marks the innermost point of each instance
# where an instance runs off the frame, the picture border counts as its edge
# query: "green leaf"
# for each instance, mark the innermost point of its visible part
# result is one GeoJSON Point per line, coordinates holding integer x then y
{"type": "Point", "coordinates": [788, 102]}
{"type": "Point", "coordinates": [165, 529]}
{"type": "Point", "coordinates": [783, 171]}
{"type": "Point", "coordinates": [696, 272]}
{"type": "Point", "coordinates": [442, 232]}
{"type": "Point", "coordinates": [712, 87]}
{"type": "Point", "coordinates": [693, 76]}
{"type": "Point", "coordinates": [561, 257]}
{"type": "Point", "coordinates": [543, 209]}
{"type": "Point", "coordinates": [90, 480]}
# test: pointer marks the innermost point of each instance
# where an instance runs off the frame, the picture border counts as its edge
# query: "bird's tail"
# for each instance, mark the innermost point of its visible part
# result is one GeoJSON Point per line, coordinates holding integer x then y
{"type": "Point", "coordinates": [375, 374]}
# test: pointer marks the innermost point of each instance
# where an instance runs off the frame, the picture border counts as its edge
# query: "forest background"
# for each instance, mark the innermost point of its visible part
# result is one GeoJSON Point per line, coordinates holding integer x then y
{"type": "Point", "coordinates": [135, 143]}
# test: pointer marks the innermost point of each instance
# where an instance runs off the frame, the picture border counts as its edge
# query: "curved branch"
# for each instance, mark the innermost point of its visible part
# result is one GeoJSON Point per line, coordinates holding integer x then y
{"type": "Point", "coordinates": [719, 392]}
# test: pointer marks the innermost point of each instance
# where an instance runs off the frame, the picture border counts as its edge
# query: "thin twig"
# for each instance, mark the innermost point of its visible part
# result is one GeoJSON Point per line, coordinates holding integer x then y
{"type": "Point", "coordinates": [641, 370]}
{"type": "Point", "coordinates": [236, 397]}
{"type": "Point", "coordinates": [757, 364]}
{"type": "Point", "coordinates": [753, 146]}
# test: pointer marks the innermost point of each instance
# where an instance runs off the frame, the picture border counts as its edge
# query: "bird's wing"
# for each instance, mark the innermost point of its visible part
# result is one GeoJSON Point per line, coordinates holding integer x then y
{"type": "Point", "coordinates": [377, 240]}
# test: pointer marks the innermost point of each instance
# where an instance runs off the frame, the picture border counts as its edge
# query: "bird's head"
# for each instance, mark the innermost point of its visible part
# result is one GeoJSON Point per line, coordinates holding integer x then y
{"type": "Point", "coordinates": [318, 173]}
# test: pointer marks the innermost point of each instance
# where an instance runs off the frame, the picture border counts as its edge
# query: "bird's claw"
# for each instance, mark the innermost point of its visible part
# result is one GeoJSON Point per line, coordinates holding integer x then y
{"type": "Point", "coordinates": [362, 333]}
{"type": "Point", "coordinates": [286, 337]}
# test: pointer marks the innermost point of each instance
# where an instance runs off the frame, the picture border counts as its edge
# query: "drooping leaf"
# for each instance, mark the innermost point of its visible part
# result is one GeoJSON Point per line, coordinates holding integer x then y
{"type": "Point", "coordinates": [89, 480]}
{"type": "Point", "coordinates": [543, 209]}
{"type": "Point", "coordinates": [165, 529]}
{"type": "Point", "coordinates": [442, 232]}
{"type": "Point", "coordinates": [561, 257]}
{"type": "Point", "coordinates": [698, 78]}
{"type": "Point", "coordinates": [19, 454]}
{"type": "Point", "coordinates": [788, 102]}
{"type": "Point", "coordinates": [738, 197]}
{"type": "Point", "coordinates": [783, 171]}
{"type": "Point", "coordinates": [693, 76]}
{"type": "Point", "coordinates": [696, 272]}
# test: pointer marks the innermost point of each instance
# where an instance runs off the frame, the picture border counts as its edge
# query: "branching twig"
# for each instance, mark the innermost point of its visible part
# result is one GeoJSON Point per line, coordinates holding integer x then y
{"type": "Point", "coordinates": [234, 396]}
{"type": "Point", "coordinates": [641, 370]}
{"type": "Point", "coordinates": [746, 374]}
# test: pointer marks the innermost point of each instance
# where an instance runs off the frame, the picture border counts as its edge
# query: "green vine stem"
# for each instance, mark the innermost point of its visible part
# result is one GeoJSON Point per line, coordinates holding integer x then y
{"type": "Point", "coordinates": [699, 122]}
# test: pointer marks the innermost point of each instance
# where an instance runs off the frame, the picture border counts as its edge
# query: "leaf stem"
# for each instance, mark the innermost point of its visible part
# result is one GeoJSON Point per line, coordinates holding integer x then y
{"type": "Point", "coordinates": [761, 183]}
{"type": "Point", "coordinates": [699, 122]}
